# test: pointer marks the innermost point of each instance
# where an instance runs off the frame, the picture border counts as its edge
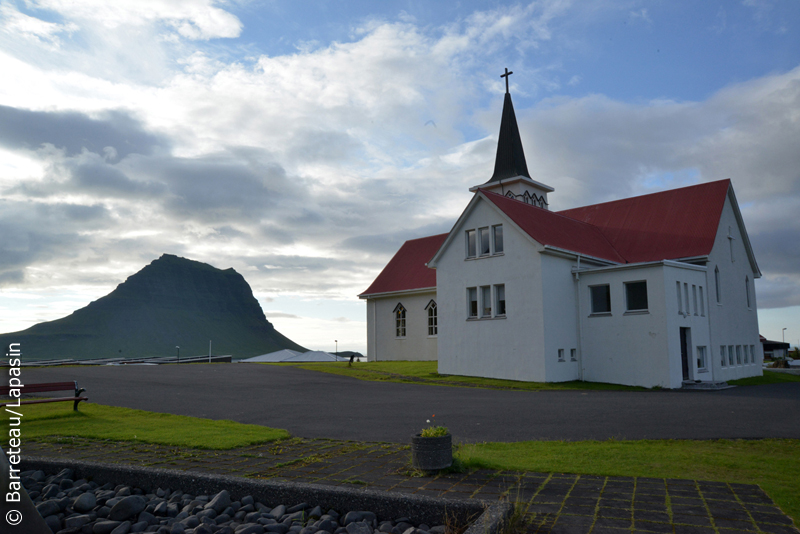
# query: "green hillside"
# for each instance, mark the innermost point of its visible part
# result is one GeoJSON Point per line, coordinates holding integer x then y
{"type": "Point", "coordinates": [171, 302]}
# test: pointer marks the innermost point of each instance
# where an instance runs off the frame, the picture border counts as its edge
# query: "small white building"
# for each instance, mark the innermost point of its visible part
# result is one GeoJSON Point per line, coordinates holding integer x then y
{"type": "Point", "coordinates": [655, 290]}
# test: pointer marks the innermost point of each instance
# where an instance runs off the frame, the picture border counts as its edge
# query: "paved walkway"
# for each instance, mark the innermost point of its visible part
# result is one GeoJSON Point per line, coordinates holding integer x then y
{"type": "Point", "coordinates": [554, 503]}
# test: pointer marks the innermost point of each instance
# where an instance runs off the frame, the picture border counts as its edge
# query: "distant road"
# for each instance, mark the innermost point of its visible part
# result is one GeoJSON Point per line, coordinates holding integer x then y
{"type": "Point", "coordinates": [313, 404]}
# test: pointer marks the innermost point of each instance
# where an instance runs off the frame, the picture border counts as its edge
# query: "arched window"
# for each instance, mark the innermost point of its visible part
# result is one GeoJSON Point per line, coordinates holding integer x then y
{"type": "Point", "coordinates": [433, 319]}
{"type": "Point", "coordinates": [716, 283]}
{"type": "Point", "coordinates": [747, 289]}
{"type": "Point", "coordinates": [400, 321]}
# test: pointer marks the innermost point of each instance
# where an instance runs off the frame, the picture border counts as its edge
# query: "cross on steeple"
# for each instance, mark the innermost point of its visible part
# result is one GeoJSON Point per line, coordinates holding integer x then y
{"type": "Point", "coordinates": [506, 75]}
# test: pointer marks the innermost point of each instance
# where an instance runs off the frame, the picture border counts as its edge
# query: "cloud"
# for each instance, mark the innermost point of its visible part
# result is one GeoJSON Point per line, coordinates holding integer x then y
{"type": "Point", "coordinates": [75, 131]}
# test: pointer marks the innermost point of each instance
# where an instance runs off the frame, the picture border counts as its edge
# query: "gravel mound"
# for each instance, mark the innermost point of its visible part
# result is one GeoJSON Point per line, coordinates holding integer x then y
{"type": "Point", "coordinates": [71, 506]}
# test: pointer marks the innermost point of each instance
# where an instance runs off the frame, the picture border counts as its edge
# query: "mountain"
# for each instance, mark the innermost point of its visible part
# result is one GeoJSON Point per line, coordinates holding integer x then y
{"type": "Point", "coordinates": [172, 302]}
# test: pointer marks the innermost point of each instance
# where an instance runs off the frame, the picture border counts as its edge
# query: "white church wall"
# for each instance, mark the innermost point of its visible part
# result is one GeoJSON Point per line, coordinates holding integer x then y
{"type": "Point", "coordinates": [507, 347]}
{"type": "Point", "coordinates": [561, 347]}
{"type": "Point", "coordinates": [732, 322]}
{"type": "Point", "coordinates": [622, 347]}
{"type": "Point", "coordinates": [382, 341]}
{"type": "Point", "coordinates": [689, 310]}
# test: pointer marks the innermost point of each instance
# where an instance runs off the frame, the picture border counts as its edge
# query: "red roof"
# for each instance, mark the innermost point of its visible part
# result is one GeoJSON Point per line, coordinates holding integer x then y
{"type": "Point", "coordinates": [680, 223]}
{"type": "Point", "coordinates": [407, 270]}
{"type": "Point", "coordinates": [556, 230]}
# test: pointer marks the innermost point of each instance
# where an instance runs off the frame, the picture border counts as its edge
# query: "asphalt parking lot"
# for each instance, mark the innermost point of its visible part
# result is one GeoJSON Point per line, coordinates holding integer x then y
{"type": "Point", "coordinates": [317, 405]}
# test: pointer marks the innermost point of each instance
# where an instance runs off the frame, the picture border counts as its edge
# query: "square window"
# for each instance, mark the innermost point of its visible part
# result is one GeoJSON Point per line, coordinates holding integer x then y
{"type": "Point", "coordinates": [471, 244]}
{"type": "Point", "coordinates": [601, 298]}
{"type": "Point", "coordinates": [561, 355]}
{"type": "Point", "coordinates": [500, 299]}
{"type": "Point", "coordinates": [636, 296]}
{"type": "Point", "coordinates": [498, 238]}
{"type": "Point", "coordinates": [701, 357]}
{"type": "Point", "coordinates": [484, 241]}
{"type": "Point", "coordinates": [573, 355]}
{"type": "Point", "coordinates": [472, 302]}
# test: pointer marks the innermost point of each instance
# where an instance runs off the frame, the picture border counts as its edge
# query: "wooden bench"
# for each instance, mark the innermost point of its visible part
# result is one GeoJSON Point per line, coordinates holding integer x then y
{"type": "Point", "coordinates": [51, 386]}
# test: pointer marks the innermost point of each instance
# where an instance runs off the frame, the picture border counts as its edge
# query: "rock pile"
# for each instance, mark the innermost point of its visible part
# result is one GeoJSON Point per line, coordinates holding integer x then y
{"type": "Point", "coordinates": [82, 507]}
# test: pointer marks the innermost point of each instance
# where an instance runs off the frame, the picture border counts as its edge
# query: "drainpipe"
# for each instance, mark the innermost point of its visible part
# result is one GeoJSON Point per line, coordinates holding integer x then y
{"type": "Point", "coordinates": [580, 316]}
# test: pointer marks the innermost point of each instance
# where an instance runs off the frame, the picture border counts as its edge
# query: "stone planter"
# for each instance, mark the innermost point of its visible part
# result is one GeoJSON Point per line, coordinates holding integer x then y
{"type": "Point", "coordinates": [432, 454]}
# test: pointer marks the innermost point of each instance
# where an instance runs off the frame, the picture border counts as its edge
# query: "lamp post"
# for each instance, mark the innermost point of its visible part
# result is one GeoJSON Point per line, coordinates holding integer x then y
{"type": "Point", "coordinates": [337, 349]}
{"type": "Point", "coordinates": [783, 335]}
{"type": "Point", "coordinates": [209, 351]}
{"type": "Point", "coordinates": [179, 353]}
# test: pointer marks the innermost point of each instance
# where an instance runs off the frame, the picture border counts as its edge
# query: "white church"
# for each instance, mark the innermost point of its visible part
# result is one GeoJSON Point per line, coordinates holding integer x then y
{"type": "Point", "coordinates": [655, 290]}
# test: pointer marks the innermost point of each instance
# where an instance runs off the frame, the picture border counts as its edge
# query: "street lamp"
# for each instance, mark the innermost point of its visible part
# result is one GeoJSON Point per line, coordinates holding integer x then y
{"type": "Point", "coordinates": [179, 353]}
{"type": "Point", "coordinates": [783, 335]}
{"type": "Point", "coordinates": [337, 349]}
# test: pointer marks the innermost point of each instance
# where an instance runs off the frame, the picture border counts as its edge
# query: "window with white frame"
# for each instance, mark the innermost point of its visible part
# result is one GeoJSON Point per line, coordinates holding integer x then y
{"type": "Point", "coordinates": [601, 298]}
{"type": "Point", "coordinates": [730, 355]}
{"type": "Point", "coordinates": [497, 236]}
{"type": "Point", "coordinates": [694, 298]}
{"type": "Point", "coordinates": [738, 355]}
{"type": "Point", "coordinates": [500, 299]}
{"type": "Point", "coordinates": [472, 302]}
{"type": "Point", "coordinates": [722, 355]}
{"type": "Point", "coordinates": [636, 296]}
{"type": "Point", "coordinates": [680, 300]}
{"type": "Point", "coordinates": [701, 358]}
{"type": "Point", "coordinates": [400, 321]}
{"type": "Point", "coordinates": [472, 246]}
{"type": "Point", "coordinates": [717, 284]}
{"type": "Point", "coordinates": [433, 319]}
{"type": "Point", "coordinates": [752, 354]}
{"type": "Point", "coordinates": [483, 242]}
{"type": "Point", "coordinates": [686, 294]}
{"type": "Point", "coordinates": [486, 301]}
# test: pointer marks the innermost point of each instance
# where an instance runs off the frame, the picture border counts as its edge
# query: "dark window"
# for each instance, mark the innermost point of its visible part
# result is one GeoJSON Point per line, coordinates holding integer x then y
{"type": "Point", "coordinates": [484, 235]}
{"type": "Point", "coordinates": [472, 301]}
{"type": "Point", "coordinates": [500, 295]}
{"type": "Point", "coordinates": [498, 238]}
{"type": "Point", "coordinates": [471, 246]}
{"type": "Point", "coordinates": [601, 299]}
{"type": "Point", "coordinates": [636, 295]}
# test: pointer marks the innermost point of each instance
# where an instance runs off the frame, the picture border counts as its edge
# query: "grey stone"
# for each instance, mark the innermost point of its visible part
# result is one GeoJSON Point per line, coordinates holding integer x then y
{"type": "Point", "coordinates": [105, 527]}
{"type": "Point", "coordinates": [358, 527]}
{"type": "Point", "coordinates": [161, 508]}
{"type": "Point", "coordinates": [278, 512]}
{"type": "Point", "coordinates": [278, 528]}
{"type": "Point", "coordinates": [139, 527]}
{"type": "Point", "coordinates": [203, 529]}
{"type": "Point", "coordinates": [386, 527]}
{"type": "Point", "coordinates": [124, 491]}
{"type": "Point", "coordinates": [248, 499]}
{"type": "Point", "coordinates": [127, 507]}
{"type": "Point", "coordinates": [149, 518]}
{"type": "Point", "coordinates": [85, 502]}
{"type": "Point", "coordinates": [325, 524]}
{"type": "Point", "coordinates": [47, 508]}
{"type": "Point", "coordinates": [123, 528]}
{"type": "Point", "coordinates": [53, 522]}
{"type": "Point", "coordinates": [220, 501]}
{"type": "Point", "coordinates": [76, 521]}
{"type": "Point", "coordinates": [177, 528]}
{"type": "Point", "coordinates": [191, 522]}
{"type": "Point", "coordinates": [315, 512]}
{"type": "Point", "coordinates": [250, 529]}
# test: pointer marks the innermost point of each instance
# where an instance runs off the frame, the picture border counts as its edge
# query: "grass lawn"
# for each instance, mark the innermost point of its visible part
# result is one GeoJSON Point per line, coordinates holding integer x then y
{"type": "Point", "coordinates": [770, 377]}
{"type": "Point", "coordinates": [123, 424]}
{"type": "Point", "coordinates": [426, 373]}
{"type": "Point", "coordinates": [774, 464]}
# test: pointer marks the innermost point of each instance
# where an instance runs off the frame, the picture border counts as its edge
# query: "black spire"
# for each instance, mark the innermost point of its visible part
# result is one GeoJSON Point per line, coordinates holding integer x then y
{"type": "Point", "coordinates": [510, 159]}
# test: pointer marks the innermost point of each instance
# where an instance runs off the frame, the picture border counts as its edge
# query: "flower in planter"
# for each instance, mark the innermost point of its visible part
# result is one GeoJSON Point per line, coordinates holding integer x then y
{"type": "Point", "coordinates": [434, 431]}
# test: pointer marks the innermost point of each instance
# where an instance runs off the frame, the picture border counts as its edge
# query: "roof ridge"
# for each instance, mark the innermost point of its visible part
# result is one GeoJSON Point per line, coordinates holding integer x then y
{"type": "Point", "coordinates": [666, 191]}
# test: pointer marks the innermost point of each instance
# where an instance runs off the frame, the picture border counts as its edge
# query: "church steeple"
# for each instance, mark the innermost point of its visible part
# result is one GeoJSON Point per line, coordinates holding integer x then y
{"type": "Point", "coordinates": [511, 177]}
{"type": "Point", "coordinates": [510, 159]}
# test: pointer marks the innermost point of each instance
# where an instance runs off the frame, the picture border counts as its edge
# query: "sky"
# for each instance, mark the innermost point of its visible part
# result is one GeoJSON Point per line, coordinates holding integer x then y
{"type": "Point", "coordinates": [302, 142]}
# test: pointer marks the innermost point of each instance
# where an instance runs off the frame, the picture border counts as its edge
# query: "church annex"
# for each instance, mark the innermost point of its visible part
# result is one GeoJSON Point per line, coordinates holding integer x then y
{"type": "Point", "coordinates": [655, 290]}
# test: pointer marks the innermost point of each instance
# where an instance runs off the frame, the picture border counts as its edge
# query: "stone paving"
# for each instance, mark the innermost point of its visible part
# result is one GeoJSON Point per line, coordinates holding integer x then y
{"type": "Point", "coordinates": [551, 502]}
